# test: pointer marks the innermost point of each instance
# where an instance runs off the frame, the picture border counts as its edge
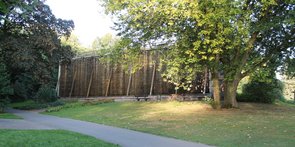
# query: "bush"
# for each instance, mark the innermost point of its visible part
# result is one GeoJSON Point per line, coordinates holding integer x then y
{"type": "Point", "coordinates": [82, 102]}
{"type": "Point", "coordinates": [58, 108]}
{"type": "Point", "coordinates": [97, 101]}
{"type": "Point", "coordinates": [28, 105]}
{"type": "Point", "coordinates": [5, 88]}
{"type": "Point", "coordinates": [56, 103]}
{"type": "Point", "coordinates": [46, 94]}
{"type": "Point", "coordinates": [264, 92]}
{"type": "Point", "coordinates": [31, 105]}
{"type": "Point", "coordinates": [24, 87]}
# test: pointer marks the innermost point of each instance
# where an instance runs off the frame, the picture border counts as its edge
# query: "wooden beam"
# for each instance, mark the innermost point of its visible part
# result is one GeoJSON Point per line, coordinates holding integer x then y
{"type": "Point", "coordinates": [129, 82]}
{"type": "Point", "coordinates": [65, 79]}
{"type": "Point", "coordinates": [109, 82]}
{"type": "Point", "coordinates": [73, 83]}
{"type": "Point", "coordinates": [91, 77]}
{"type": "Point", "coordinates": [58, 79]}
{"type": "Point", "coordinates": [153, 78]}
{"type": "Point", "coordinates": [90, 83]}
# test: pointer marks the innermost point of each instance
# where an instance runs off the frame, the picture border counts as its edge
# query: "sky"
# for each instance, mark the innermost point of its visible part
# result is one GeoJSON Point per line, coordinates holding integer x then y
{"type": "Point", "coordinates": [88, 16]}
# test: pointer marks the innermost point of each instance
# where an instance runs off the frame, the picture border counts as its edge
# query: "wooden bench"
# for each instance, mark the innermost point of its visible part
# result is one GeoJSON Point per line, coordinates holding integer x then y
{"type": "Point", "coordinates": [142, 97]}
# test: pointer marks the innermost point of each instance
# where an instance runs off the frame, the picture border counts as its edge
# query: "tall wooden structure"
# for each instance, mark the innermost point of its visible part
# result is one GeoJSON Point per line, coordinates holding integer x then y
{"type": "Point", "coordinates": [88, 77]}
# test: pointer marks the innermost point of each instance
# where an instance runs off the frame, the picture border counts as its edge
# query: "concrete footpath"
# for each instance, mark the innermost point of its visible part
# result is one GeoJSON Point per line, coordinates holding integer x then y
{"type": "Point", "coordinates": [122, 137]}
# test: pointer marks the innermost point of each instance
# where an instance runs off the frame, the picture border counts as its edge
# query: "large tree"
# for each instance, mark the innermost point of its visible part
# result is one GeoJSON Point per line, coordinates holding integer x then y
{"type": "Point", "coordinates": [235, 38]}
{"type": "Point", "coordinates": [30, 44]}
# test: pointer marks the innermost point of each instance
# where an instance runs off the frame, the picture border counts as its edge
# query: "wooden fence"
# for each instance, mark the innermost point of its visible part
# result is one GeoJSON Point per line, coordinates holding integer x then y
{"type": "Point", "coordinates": [87, 77]}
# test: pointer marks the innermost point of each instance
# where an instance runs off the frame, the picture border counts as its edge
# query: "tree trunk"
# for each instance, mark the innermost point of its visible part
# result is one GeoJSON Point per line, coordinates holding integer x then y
{"type": "Point", "coordinates": [216, 89]}
{"type": "Point", "coordinates": [216, 85]}
{"type": "Point", "coordinates": [205, 80]}
{"type": "Point", "coordinates": [230, 93]}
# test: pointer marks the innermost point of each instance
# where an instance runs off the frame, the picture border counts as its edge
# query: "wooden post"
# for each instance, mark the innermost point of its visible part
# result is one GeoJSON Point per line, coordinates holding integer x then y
{"type": "Point", "coordinates": [129, 81]}
{"type": "Point", "coordinates": [109, 82]}
{"type": "Point", "coordinates": [65, 79]}
{"type": "Point", "coordinates": [90, 82]}
{"type": "Point", "coordinates": [58, 80]}
{"type": "Point", "coordinates": [73, 82]}
{"type": "Point", "coordinates": [145, 62]}
{"type": "Point", "coordinates": [153, 78]}
{"type": "Point", "coordinates": [91, 77]}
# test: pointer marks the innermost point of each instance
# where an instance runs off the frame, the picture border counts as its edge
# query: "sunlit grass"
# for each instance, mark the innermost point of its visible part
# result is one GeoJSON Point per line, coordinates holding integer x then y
{"type": "Point", "coordinates": [251, 125]}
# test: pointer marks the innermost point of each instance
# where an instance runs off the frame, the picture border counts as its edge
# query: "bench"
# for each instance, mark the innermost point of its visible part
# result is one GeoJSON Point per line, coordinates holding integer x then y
{"type": "Point", "coordinates": [141, 97]}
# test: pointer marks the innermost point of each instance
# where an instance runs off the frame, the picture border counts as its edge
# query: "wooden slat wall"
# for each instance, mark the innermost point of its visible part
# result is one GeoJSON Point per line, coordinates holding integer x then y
{"type": "Point", "coordinates": [83, 68]}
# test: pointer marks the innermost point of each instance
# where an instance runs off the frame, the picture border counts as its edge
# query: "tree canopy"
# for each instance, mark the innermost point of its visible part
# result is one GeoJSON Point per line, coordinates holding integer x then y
{"type": "Point", "coordinates": [235, 38]}
{"type": "Point", "coordinates": [73, 42]}
{"type": "Point", "coordinates": [30, 44]}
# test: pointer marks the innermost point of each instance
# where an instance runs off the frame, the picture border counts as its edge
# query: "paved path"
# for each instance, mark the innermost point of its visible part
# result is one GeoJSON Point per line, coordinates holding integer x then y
{"type": "Point", "coordinates": [123, 137]}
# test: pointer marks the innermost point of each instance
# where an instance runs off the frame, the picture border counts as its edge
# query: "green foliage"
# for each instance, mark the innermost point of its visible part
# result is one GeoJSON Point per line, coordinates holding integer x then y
{"type": "Point", "coordinates": [32, 105]}
{"type": "Point", "coordinates": [24, 87]}
{"type": "Point", "coordinates": [235, 37]}
{"type": "Point", "coordinates": [108, 48]}
{"type": "Point", "coordinates": [5, 87]}
{"type": "Point", "coordinates": [46, 94]}
{"type": "Point", "coordinates": [30, 45]}
{"type": "Point", "coordinates": [3, 104]}
{"type": "Point", "coordinates": [73, 42]}
{"type": "Point", "coordinates": [28, 105]}
{"type": "Point", "coordinates": [262, 91]}
{"type": "Point", "coordinates": [108, 41]}
{"type": "Point", "coordinates": [58, 108]}
{"type": "Point", "coordinates": [77, 104]}
{"type": "Point", "coordinates": [290, 68]}
{"type": "Point", "coordinates": [98, 101]}
{"type": "Point", "coordinates": [112, 52]}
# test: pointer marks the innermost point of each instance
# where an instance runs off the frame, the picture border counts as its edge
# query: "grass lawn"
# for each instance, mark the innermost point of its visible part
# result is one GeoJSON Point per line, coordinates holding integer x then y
{"type": "Point", "coordinates": [251, 125]}
{"type": "Point", "coordinates": [52, 138]}
{"type": "Point", "coordinates": [9, 116]}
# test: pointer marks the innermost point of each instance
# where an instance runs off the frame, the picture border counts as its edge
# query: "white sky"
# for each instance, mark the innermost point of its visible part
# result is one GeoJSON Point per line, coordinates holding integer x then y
{"type": "Point", "coordinates": [88, 16]}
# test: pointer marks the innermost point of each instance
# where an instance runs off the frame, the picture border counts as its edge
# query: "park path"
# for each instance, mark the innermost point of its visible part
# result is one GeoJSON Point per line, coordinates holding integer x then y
{"type": "Point", "coordinates": [123, 137]}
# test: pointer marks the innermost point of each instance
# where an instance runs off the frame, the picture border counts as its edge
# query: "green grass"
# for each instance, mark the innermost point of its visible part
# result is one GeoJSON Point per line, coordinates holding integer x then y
{"type": "Point", "coordinates": [9, 116]}
{"type": "Point", "coordinates": [31, 105]}
{"type": "Point", "coordinates": [251, 125]}
{"type": "Point", "coordinates": [52, 138]}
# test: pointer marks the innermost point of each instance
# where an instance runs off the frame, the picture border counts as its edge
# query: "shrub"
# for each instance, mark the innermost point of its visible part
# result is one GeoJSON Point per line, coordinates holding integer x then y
{"type": "Point", "coordinates": [264, 92]}
{"type": "Point", "coordinates": [97, 101]}
{"type": "Point", "coordinates": [46, 94]}
{"type": "Point", "coordinates": [214, 104]}
{"type": "Point", "coordinates": [24, 87]}
{"type": "Point", "coordinates": [82, 102]}
{"type": "Point", "coordinates": [56, 103]}
{"type": "Point", "coordinates": [31, 105]}
{"type": "Point", "coordinates": [28, 105]}
{"type": "Point", "coordinates": [5, 88]}
{"type": "Point", "coordinates": [58, 108]}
